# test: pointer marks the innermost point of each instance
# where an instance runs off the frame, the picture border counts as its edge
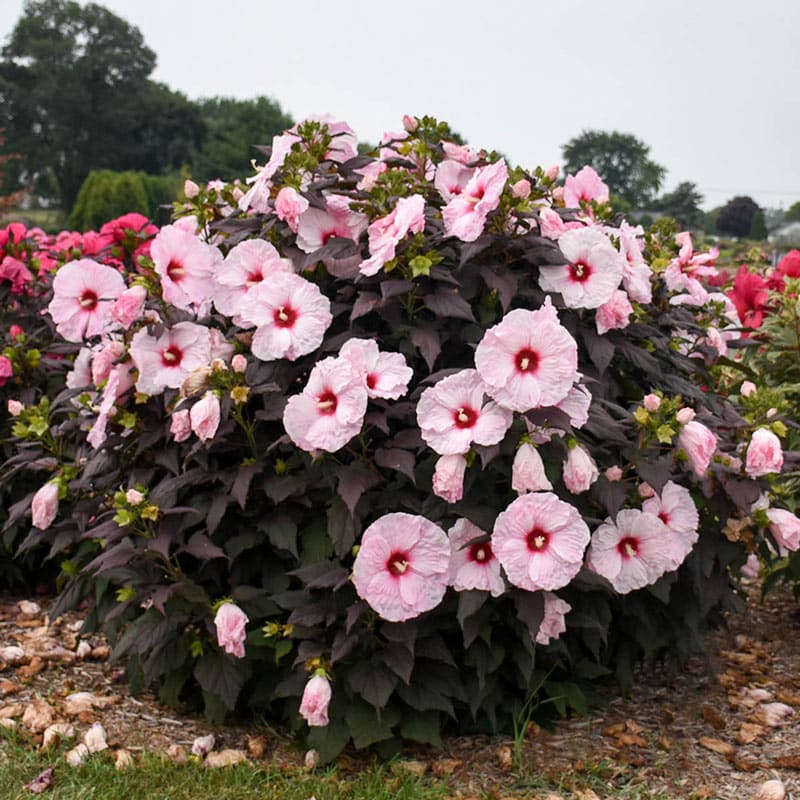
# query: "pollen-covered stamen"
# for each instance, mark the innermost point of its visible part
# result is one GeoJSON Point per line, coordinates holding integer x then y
{"type": "Point", "coordinates": [397, 564]}
{"type": "Point", "coordinates": [327, 402]}
{"type": "Point", "coordinates": [537, 540]}
{"type": "Point", "coordinates": [285, 316]}
{"type": "Point", "coordinates": [628, 547]}
{"type": "Point", "coordinates": [465, 417]}
{"type": "Point", "coordinates": [171, 357]}
{"type": "Point", "coordinates": [481, 552]}
{"type": "Point", "coordinates": [579, 271]}
{"type": "Point", "coordinates": [88, 300]}
{"type": "Point", "coordinates": [175, 271]}
{"type": "Point", "coordinates": [527, 360]}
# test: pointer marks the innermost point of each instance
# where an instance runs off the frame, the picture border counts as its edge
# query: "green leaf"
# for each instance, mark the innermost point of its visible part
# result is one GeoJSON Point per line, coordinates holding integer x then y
{"type": "Point", "coordinates": [330, 740]}
{"type": "Point", "coordinates": [422, 726]}
{"type": "Point", "coordinates": [220, 674]}
{"type": "Point", "coordinates": [373, 682]}
{"type": "Point", "coordinates": [665, 434]}
{"type": "Point", "coordinates": [367, 726]}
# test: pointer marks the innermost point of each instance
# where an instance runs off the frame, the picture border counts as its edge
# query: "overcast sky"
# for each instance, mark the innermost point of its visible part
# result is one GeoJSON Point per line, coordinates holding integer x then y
{"type": "Point", "coordinates": [712, 86]}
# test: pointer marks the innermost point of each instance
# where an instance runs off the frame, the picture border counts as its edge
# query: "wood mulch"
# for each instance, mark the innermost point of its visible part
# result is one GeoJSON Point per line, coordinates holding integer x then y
{"type": "Point", "coordinates": [718, 730]}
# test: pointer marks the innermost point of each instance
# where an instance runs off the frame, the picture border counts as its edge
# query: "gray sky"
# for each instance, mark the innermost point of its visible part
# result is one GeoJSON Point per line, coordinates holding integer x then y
{"type": "Point", "coordinates": [712, 86]}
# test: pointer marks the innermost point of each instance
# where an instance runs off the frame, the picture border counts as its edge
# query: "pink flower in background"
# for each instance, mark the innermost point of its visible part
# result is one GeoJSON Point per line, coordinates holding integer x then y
{"type": "Point", "coordinates": [6, 369]}
{"type": "Point", "coordinates": [553, 623]}
{"type": "Point", "coordinates": [230, 622]}
{"type": "Point", "coordinates": [652, 402]}
{"type": "Point", "coordinates": [580, 470]}
{"type": "Point", "coordinates": [316, 699]}
{"type": "Point", "coordinates": [289, 205]}
{"type": "Point", "coordinates": [166, 361]}
{"type": "Point", "coordinates": [387, 232]}
{"type": "Point", "coordinates": [129, 306]}
{"type": "Point", "coordinates": [187, 267]}
{"type": "Point", "coordinates": [119, 381]}
{"type": "Point", "coordinates": [685, 415]}
{"type": "Point", "coordinates": [448, 478]}
{"type": "Point", "coordinates": [586, 185]}
{"type": "Point", "coordinates": [785, 527]}
{"type": "Point", "coordinates": [370, 174]}
{"type": "Point", "coordinates": [257, 197]}
{"type": "Point", "coordinates": [632, 552]}
{"type": "Point", "coordinates": [465, 215]}
{"type": "Point", "coordinates": [540, 541]}
{"type": "Point", "coordinates": [676, 509]}
{"type": "Point", "coordinates": [14, 331]}
{"type": "Point", "coordinates": [614, 314]}
{"type": "Point", "coordinates": [685, 272]}
{"type": "Point", "coordinates": [45, 506]}
{"type": "Point", "coordinates": [592, 274]}
{"type": "Point", "coordinates": [291, 313]}
{"type": "Point", "coordinates": [247, 265]}
{"type": "Point", "coordinates": [459, 152]}
{"type": "Point", "coordinates": [636, 274]}
{"type": "Point", "coordinates": [386, 374]}
{"type": "Point", "coordinates": [316, 226]}
{"type": "Point", "coordinates": [528, 360]}
{"type": "Point", "coordinates": [402, 566]}
{"type": "Point", "coordinates": [764, 454]}
{"type": "Point", "coordinates": [473, 564]}
{"type": "Point", "coordinates": [204, 416]}
{"type": "Point", "coordinates": [133, 225]}
{"type": "Point", "coordinates": [104, 359]}
{"type": "Point", "coordinates": [83, 294]}
{"type": "Point", "coordinates": [16, 273]}
{"type": "Point", "coordinates": [699, 444]}
{"type": "Point", "coordinates": [181, 426]}
{"type": "Point", "coordinates": [451, 414]}
{"type": "Point", "coordinates": [14, 407]}
{"type": "Point", "coordinates": [190, 189]}
{"type": "Point", "coordinates": [451, 178]}
{"type": "Point", "coordinates": [527, 471]}
{"type": "Point", "coordinates": [330, 409]}
{"type": "Point", "coordinates": [344, 142]}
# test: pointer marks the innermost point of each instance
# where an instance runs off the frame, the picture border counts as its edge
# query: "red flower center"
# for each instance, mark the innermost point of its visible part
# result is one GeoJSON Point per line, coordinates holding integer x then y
{"type": "Point", "coordinates": [327, 402]}
{"type": "Point", "coordinates": [628, 547]}
{"type": "Point", "coordinates": [253, 278]}
{"type": "Point", "coordinates": [398, 564]}
{"type": "Point", "coordinates": [465, 417]}
{"type": "Point", "coordinates": [175, 271]}
{"type": "Point", "coordinates": [526, 360]}
{"type": "Point", "coordinates": [663, 516]}
{"type": "Point", "coordinates": [537, 540]}
{"type": "Point", "coordinates": [172, 356]}
{"type": "Point", "coordinates": [326, 235]}
{"type": "Point", "coordinates": [481, 552]}
{"type": "Point", "coordinates": [580, 271]}
{"type": "Point", "coordinates": [372, 381]}
{"type": "Point", "coordinates": [285, 317]}
{"type": "Point", "coordinates": [88, 300]}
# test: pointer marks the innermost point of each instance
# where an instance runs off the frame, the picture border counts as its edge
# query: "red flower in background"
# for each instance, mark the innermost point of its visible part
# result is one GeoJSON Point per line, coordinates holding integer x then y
{"type": "Point", "coordinates": [749, 294]}
{"type": "Point", "coordinates": [789, 265]}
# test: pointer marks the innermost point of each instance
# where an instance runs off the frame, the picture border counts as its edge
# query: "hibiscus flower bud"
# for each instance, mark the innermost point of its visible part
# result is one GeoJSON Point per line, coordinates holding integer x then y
{"type": "Point", "coordinates": [613, 474]}
{"type": "Point", "coordinates": [315, 702]}
{"type": "Point", "coordinates": [685, 415]}
{"type": "Point", "coordinates": [448, 479]}
{"type": "Point", "coordinates": [128, 307]}
{"type": "Point", "coordinates": [551, 173]}
{"type": "Point", "coordinates": [230, 622]}
{"type": "Point", "coordinates": [190, 189]}
{"type": "Point", "coordinates": [181, 427]}
{"type": "Point", "coordinates": [699, 444]}
{"type": "Point", "coordinates": [204, 416]}
{"type": "Point", "coordinates": [785, 527]}
{"type": "Point", "coordinates": [15, 408]}
{"type": "Point", "coordinates": [527, 471]}
{"type": "Point", "coordinates": [747, 388]}
{"type": "Point", "coordinates": [45, 506]}
{"type": "Point", "coordinates": [652, 402]}
{"type": "Point", "coordinates": [580, 470]}
{"type": "Point", "coordinates": [646, 490]}
{"type": "Point", "coordinates": [764, 454]}
{"type": "Point", "coordinates": [14, 331]}
{"type": "Point", "coordinates": [239, 363]}
{"type": "Point", "coordinates": [134, 497]}
{"type": "Point", "coordinates": [410, 124]}
{"type": "Point", "coordinates": [196, 381]}
{"type": "Point", "coordinates": [521, 189]}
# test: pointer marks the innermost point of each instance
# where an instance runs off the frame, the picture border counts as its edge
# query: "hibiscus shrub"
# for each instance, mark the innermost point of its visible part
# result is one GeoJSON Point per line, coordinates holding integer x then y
{"type": "Point", "coordinates": [395, 443]}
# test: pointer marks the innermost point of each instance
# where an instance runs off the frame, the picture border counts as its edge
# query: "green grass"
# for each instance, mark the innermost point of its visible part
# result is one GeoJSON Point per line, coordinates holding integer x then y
{"type": "Point", "coordinates": [51, 220]}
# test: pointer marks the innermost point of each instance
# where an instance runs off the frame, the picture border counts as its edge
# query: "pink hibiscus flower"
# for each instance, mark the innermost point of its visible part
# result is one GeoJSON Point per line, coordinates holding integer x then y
{"type": "Point", "coordinates": [540, 541]}
{"type": "Point", "coordinates": [316, 226]}
{"type": "Point", "coordinates": [83, 293]}
{"type": "Point", "coordinates": [593, 273]}
{"type": "Point", "coordinates": [451, 178]}
{"type": "Point", "coordinates": [386, 232]}
{"type": "Point", "coordinates": [448, 478]}
{"type": "Point", "coordinates": [257, 197]}
{"type": "Point", "coordinates": [16, 273]}
{"type": "Point", "coordinates": [289, 205]}
{"type": "Point", "coordinates": [632, 552]}
{"type": "Point", "coordinates": [386, 375]}
{"type": "Point", "coordinates": [586, 185]}
{"type": "Point", "coordinates": [465, 215]}
{"type": "Point", "coordinates": [554, 621]}
{"type": "Point", "coordinates": [699, 444]}
{"type": "Point", "coordinates": [764, 454]}
{"type": "Point", "coordinates": [6, 369]}
{"type": "Point", "coordinates": [750, 295]}
{"type": "Point", "coordinates": [402, 566]}
{"type": "Point", "coordinates": [246, 265]}
{"type": "Point", "coordinates": [528, 360]}
{"type": "Point", "coordinates": [580, 470]}
{"type": "Point", "coordinates": [291, 313]}
{"type": "Point", "coordinates": [165, 362]}
{"type": "Point", "coordinates": [473, 565]}
{"type": "Point", "coordinates": [451, 414]}
{"type": "Point", "coordinates": [187, 267]}
{"type": "Point", "coordinates": [614, 314]}
{"type": "Point", "coordinates": [527, 471]}
{"type": "Point", "coordinates": [676, 509]}
{"type": "Point", "coordinates": [330, 409]}
{"type": "Point", "coordinates": [231, 625]}
{"type": "Point", "coordinates": [684, 272]}
{"type": "Point", "coordinates": [637, 275]}
{"type": "Point", "coordinates": [785, 527]}
{"type": "Point", "coordinates": [577, 404]}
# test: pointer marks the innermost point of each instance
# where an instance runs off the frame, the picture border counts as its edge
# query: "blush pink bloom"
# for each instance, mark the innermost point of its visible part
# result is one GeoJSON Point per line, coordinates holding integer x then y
{"type": "Point", "coordinates": [685, 415]}
{"type": "Point", "coordinates": [580, 470]}
{"type": "Point", "coordinates": [613, 474]}
{"type": "Point", "coordinates": [402, 566]}
{"type": "Point", "coordinates": [585, 186]}
{"type": "Point", "coordinates": [387, 232]}
{"type": "Point", "coordinates": [83, 294]}
{"type": "Point", "coordinates": [257, 197]}
{"type": "Point", "coordinates": [553, 623]}
{"type": "Point", "coordinates": [386, 375]}
{"type": "Point", "coordinates": [104, 359]}
{"type": "Point", "coordinates": [637, 275]}
{"type": "Point", "coordinates": [330, 409]}
{"type": "Point", "coordinates": [528, 360]}
{"type": "Point", "coordinates": [540, 541]}
{"type": "Point", "coordinates": [316, 226]}
{"type": "Point", "coordinates": [247, 265]}
{"type": "Point", "coordinates": [451, 414]}
{"type": "Point", "coordinates": [448, 478]}
{"type": "Point", "coordinates": [190, 189]}
{"type": "Point", "coordinates": [291, 315]}
{"type": "Point", "coordinates": [134, 497]}
{"type": "Point", "coordinates": [652, 402]}
{"type": "Point", "coordinates": [15, 408]}
{"type": "Point", "coordinates": [181, 426]}
{"type": "Point", "coordinates": [316, 699]}
{"type": "Point", "coordinates": [45, 506]}
{"type": "Point", "coordinates": [631, 552]}
{"type": "Point", "coordinates": [239, 363]}
{"type": "Point", "coordinates": [465, 215]}
{"type": "Point", "coordinates": [764, 454]}
{"type": "Point", "coordinates": [473, 565]}
{"type": "Point", "coordinates": [699, 444]}
{"type": "Point", "coordinates": [16, 273]}
{"type": "Point", "coordinates": [577, 404]}
{"type": "Point", "coordinates": [451, 178]}
{"type": "Point", "coordinates": [166, 361]}
{"type": "Point", "coordinates": [527, 471]}
{"type": "Point", "coordinates": [119, 381]}
{"type": "Point", "coordinates": [677, 510]}
{"type": "Point", "coordinates": [521, 189]}
{"type": "Point", "coordinates": [289, 205]}
{"type": "Point", "coordinates": [747, 388]}
{"type": "Point", "coordinates": [785, 527]}
{"type": "Point", "coordinates": [592, 274]}
{"type": "Point", "coordinates": [230, 622]}
{"type": "Point", "coordinates": [6, 369]}
{"type": "Point", "coordinates": [187, 267]}
{"type": "Point", "coordinates": [204, 416]}
{"type": "Point", "coordinates": [129, 306]}
{"type": "Point", "coordinates": [685, 272]}
{"type": "Point", "coordinates": [614, 314]}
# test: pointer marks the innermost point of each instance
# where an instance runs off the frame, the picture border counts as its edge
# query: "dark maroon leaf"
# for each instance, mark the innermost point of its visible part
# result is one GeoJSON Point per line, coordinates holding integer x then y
{"type": "Point", "coordinates": [221, 675]}
{"type": "Point", "coordinates": [200, 546]}
{"type": "Point", "coordinates": [353, 482]}
{"type": "Point", "coordinates": [397, 459]}
{"type": "Point", "coordinates": [42, 782]}
{"type": "Point", "coordinates": [393, 288]}
{"type": "Point", "coordinates": [504, 283]}
{"type": "Point", "coordinates": [365, 302]}
{"type": "Point", "coordinates": [530, 609]}
{"type": "Point", "coordinates": [449, 303]}
{"type": "Point", "coordinates": [426, 339]}
{"type": "Point", "coordinates": [242, 483]}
